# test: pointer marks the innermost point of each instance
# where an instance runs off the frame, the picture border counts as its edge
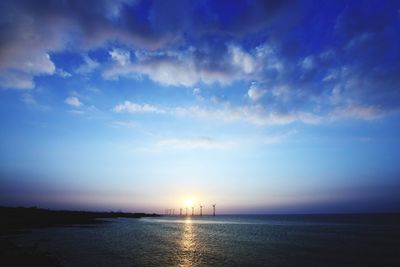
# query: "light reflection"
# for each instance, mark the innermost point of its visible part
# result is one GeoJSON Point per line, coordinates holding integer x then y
{"type": "Point", "coordinates": [187, 254]}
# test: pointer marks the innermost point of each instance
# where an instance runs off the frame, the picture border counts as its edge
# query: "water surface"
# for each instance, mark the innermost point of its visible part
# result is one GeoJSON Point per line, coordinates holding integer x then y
{"type": "Point", "coordinates": [266, 240]}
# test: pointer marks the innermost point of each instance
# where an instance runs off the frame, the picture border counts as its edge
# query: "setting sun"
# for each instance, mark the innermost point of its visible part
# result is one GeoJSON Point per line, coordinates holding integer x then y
{"type": "Point", "coordinates": [189, 202]}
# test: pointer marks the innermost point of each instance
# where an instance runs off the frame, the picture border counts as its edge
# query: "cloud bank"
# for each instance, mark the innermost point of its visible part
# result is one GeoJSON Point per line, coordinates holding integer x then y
{"type": "Point", "coordinates": [290, 65]}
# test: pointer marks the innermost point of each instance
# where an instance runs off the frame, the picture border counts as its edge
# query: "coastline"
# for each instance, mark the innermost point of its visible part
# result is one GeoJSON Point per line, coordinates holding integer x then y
{"type": "Point", "coordinates": [18, 220]}
{"type": "Point", "coordinates": [14, 219]}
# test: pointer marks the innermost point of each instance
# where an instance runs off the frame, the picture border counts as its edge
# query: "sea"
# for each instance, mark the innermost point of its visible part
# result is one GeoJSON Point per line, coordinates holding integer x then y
{"type": "Point", "coordinates": [234, 240]}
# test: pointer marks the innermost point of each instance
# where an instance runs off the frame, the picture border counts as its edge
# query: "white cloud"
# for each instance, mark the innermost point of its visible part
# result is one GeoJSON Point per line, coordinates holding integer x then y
{"type": "Point", "coordinates": [242, 60]}
{"type": "Point", "coordinates": [29, 100]}
{"type": "Point", "coordinates": [73, 101]}
{"type": "Point", "coordinates": [122, 57]}
{"type": "Point", "coordinates": [77, 111]}
{"type": "Point", "coordinates": [19, 73]}
{"type": "Point", "coordinates": [123, 124]}
{"type": "Point", "coordinates": [16, 80]}
{"type": "Point", "coordinates": [355, 111]}
{"type": "Point", "coordinates": [63, 74]}
{"type": "Point", "coordinates": [269, 58]}
{"type": "Point", "coordinates": [282, 92]}
{"type": "Point", "coordinates": [130, 107]}
{"type": "Point", "coordinates": [88, 66]}
{"type": "Point", "coordinates": [208, 143]}
{"type": "Point", "coordinates": [255, 93]}
{"type": "Point", "coordinates": [183, 68]}
{"type": "Point", "coordinates": [38, 64]}
{"type": "Point", "coordinates": [331, 75]}
{"type": "Point", "coordinates": [336, 95]}
{"type": "Point", "coordinates": [88, 111]}
{"type": "Point", "coordinates": [327, 54]}
{"type": "Point", "coordinates": [277, 138]}
{"type": "Point", "coordinates": [197, 94]}
{"type": "Point", "coordinates": [254, 114]}
{"type": "Point", "coordinates": [307, 63]}
{"type": "Point", "coordinates": [164, 71]}
{"type": "Point", "coordinates": [359, 39]}
{"type": "Point", "coordinates": [193, 143]}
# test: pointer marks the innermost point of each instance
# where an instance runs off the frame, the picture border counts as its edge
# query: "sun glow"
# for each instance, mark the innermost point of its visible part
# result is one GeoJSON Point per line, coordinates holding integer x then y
{"type": "Point", "coordinates": [189, 202]}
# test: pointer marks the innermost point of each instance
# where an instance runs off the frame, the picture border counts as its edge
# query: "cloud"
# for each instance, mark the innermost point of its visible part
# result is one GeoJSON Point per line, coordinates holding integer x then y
{"type": "Point", "coordinates": [243, 60]}
{"type": "Point", "coordinates": [89, 112]}
{"type": "Point", "coordinates": [63, 74]}
{"type": "Point", "coordinates": [194, 42]}
{"type": "Point", "coordinates": [201, 142]}
{"type": "Point", "coordinates": [354, 111]}
{"type": "Point", "coordinates": [186, 68]}
{"type": "Point", "coordinates": [73, 101]}
{"type": "Point", "coordinates": [282, 92]}
{"type": "Point", "coordinates": [88, 66]}
{"type": "Point", "coordinates": [29, 100]}
{"type": "Point", "coordinates": [254, 114]}
{"type": "Point", "coordinates": [26, 43]}
{"type": "Point", "coordinates": [255, 93]}
{"type": "Point", "coordinates": [19, 72]}
{"type": "Point", "coordinates": [196, 91]}
{"type": "Point", "coordinates": [130, 107]}
{"type": "Point", "coordinates": [307, 63]}
{"type": "Point", "coordinates": [30, 31]}
{"type": "Point", "coordinates": [370, 53]}
{"type": "Point", "coordinates": [122, 57]}
{"type": "Point", "coordinates": [197, 94]}
{"type": "Point", "coordinates": [209, 143]}
{"type": "Point", "coordinates": [77, 111]}
{"type": "Point", "coordinates": [277, 138]}
{"type": "Point", "coordinates": [16, 80]}
{"type": "Point", "coordinates": [268, 56]}
{"type": "Point", "coordinates": [123, 124]}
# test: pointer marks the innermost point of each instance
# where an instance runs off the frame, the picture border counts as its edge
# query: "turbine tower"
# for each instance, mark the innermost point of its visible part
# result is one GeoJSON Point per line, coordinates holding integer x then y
{"type": "Point", "coordinates": [213, 205]}
{"type": "Point", "coordinates": [186, 212]}
{"type": "Point", "coordinates": [192, 211]}
{"type": "Point", "coordinates": [201, 210]}
{"type": "Point", "coordinates": [180, 212]}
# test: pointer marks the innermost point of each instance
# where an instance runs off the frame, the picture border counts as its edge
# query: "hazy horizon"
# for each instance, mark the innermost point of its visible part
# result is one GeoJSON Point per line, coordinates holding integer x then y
{"type": "Point", "coordinates": [262, 107]}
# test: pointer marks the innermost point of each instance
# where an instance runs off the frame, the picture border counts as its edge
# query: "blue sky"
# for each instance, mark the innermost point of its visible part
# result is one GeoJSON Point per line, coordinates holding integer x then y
{"type": "Point", "coordinates": [258, 106]}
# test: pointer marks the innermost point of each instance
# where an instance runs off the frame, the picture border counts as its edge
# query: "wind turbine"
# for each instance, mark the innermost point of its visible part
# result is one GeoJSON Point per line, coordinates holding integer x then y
{"type": "Point", "coordinates": [213, 205]}
{"type": "Point", "coordinates": [186, 212]}
{"type": "Point", "coordinates": [180, 212]}
{"type": "Point", "coordinates": [201, 210]}
{"type": "Point", "coordinates": [192, 211]}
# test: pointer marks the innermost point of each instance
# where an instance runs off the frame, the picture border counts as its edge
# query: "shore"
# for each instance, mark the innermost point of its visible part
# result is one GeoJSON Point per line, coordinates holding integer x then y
{"type": "Point", "coordinates": [14, 219]}
{"type": "Point", "coordinates": [17, 220]}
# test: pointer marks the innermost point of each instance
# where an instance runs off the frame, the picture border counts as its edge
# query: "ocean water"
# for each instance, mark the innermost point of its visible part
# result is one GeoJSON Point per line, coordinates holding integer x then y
{"type": "Point", "coordinates": [293, 240]}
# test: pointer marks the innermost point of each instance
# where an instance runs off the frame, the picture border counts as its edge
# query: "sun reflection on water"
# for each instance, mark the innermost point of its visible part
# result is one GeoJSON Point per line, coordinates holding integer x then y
{"type": "Point", "coordinates": [188, 245]}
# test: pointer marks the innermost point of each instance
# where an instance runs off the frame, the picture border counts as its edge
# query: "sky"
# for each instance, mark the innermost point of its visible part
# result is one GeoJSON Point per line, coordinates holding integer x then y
{"type": "Point", "coordinates": [257, 106]}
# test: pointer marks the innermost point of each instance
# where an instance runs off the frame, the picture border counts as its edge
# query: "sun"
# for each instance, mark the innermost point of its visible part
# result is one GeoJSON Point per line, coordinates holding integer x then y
{"type": "Point", "coordinates": [189, 202]}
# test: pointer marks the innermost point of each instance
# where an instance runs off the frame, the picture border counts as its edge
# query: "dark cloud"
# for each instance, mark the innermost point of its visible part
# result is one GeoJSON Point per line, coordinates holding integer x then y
{"type": "Point", "coordinates": [147, 24]}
